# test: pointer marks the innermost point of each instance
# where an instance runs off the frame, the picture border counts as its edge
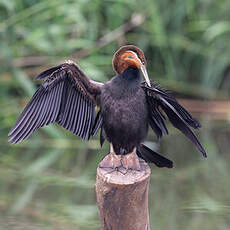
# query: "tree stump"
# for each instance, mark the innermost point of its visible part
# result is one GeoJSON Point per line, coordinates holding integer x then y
{"type": "Point", "coordinates": [123, 198]}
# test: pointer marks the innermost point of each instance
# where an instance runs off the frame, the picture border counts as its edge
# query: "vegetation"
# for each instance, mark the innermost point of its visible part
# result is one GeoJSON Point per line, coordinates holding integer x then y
{"type": "Point", "coordinates": [47, 181]}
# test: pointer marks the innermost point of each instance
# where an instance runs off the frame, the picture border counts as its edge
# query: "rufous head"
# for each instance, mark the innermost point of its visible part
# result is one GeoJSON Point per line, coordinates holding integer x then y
{"type": "Point", "coordinates": [127, 56]}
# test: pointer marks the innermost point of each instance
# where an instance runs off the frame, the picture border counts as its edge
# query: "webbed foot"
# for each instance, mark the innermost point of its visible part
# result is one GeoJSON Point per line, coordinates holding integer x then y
{"type": "Point", "coordinates": [131, 161]}
{"type": "Point", "coordinates": [121, 163]}
{"type": "Point", "coordinates": [111, 161]}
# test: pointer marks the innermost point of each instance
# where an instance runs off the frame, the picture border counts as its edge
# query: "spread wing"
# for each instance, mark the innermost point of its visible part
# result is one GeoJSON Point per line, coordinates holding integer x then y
{"type": "Point", "coordinates": [66, 96]}
{"type": "Point", "coordinates": [161, 103]}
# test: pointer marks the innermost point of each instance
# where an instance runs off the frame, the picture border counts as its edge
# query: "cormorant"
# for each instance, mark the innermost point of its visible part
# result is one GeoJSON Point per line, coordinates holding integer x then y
{"type": "Point", "coordinates": [127, 105]}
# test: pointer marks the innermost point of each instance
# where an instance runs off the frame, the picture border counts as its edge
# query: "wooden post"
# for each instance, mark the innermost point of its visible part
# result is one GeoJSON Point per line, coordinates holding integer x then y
{"type": "Point", "coordinates": [123, 198]}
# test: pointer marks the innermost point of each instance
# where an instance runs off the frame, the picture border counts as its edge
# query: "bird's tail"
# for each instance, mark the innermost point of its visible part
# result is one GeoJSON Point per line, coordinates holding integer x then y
{"type": "Point", "coordinates": [152, 157]}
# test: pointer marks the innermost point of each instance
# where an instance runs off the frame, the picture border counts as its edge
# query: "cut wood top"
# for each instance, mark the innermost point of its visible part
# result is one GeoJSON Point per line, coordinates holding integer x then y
{"type": "Point", "coordinates": [124, 177]}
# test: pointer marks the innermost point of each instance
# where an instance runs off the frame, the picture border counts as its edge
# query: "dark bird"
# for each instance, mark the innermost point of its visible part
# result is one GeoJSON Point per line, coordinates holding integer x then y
{"type": "Point", "coordinates": [127, 105]}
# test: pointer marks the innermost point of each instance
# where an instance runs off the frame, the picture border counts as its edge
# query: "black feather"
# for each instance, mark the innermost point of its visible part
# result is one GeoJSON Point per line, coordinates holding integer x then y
{"type": "Point", "coordinates": [81, 112]}
{"type": "Point", "coordinates": [72, 112]}
{"type": "Point", "coordinates": [22, 126]}
{"type": "Point", "coordinates": [158, 120]}
{"type": "Point", "coordinates": [47, 72]}
{"type": "Point", "coordinates": [82, 118]}
{"type": "Point", "coordinates": [102, 136]}
{"type": "Point", "coordinates": [57, 99]}
{"type": "Point", "coordinates": [66, 108]}
{"type": "Point", "coordinates": [29, 106]}
{"type": "Point", "coordinates": [177, 115]}
{"type": "Point", "coordinates": [74, 126]}
{"type": "Point", "coordinates": [185, 115]}
{"type": "Point", "coordinates": [152, 157]}
{"type": "Point", "coordinates": [157, 95]}
{"type": "Point", "coordinates": [97, 124]}
{"type": "Point", "coordinates": [182, 126]}
{"type": "Point", "coordinates": [88, 119]}
{"type": "Point", "coordinates": [155, 128]}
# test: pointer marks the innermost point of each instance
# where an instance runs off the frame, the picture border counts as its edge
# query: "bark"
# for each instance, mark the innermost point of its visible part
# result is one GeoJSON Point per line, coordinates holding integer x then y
{"type": "Point", "coordinates": [123, 198]}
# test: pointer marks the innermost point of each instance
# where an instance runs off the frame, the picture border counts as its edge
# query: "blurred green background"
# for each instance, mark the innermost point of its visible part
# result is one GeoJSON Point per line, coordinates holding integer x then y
{"type": "Point", "coordinates": [47, 182]}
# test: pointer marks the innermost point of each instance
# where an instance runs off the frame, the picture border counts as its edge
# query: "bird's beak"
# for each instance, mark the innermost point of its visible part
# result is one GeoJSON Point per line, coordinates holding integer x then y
{"type": "Point", "coordinates": [145, 74]}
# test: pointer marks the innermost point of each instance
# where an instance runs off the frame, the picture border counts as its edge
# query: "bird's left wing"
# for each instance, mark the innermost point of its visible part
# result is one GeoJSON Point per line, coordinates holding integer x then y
{"type": "Point", "coordinates": [159, 103]}
{"type": "Point", "coordinates": [66, 96]}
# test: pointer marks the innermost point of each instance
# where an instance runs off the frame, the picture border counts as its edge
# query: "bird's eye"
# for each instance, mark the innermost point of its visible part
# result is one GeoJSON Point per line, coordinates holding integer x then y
{"type": "Point", "coordinates": [130, 57]}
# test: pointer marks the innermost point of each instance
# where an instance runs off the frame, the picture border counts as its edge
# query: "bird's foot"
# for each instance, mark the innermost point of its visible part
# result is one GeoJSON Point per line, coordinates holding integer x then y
{"type": "Point", "coordinates": [131, 161]}
{"type": "Point", "coordinates": [121, 163]}
{"type": "Point", "coordinates": [112, 161]}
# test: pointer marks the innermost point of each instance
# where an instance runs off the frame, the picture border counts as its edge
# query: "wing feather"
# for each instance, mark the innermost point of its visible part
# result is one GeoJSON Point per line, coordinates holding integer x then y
{"type": "Point", "coordinates": [67, 96]}
{"type": "Point", "coordinates": [183, 127]}
{"type": "Point", "coordinates": [26, 110]}
{"type": "Point", "coordinates": [25, 120]}
{"type": "Point", "coordinates": [78, 127]}
{"type": "Point", "coordinates": [72, 111]}
{"type": "Point", "coordinates": [66, 112]}
{"type": "Point", "coordinates": [155, 128]}
{"type": "Point", "coordinates": [77, 108]}
{"type": "Point", "coordinates": [81, 117]}
{"type": "Point", "coordinates": [180, 118]}
{"type": "Point", "coordinates": [88, 119]}
{"type": "Point", "coordinates": [97, 124]}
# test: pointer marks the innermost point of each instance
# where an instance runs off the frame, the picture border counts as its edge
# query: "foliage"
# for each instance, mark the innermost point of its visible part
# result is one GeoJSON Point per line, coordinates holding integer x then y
{"type": "Point", "coordinates": [47, 181]}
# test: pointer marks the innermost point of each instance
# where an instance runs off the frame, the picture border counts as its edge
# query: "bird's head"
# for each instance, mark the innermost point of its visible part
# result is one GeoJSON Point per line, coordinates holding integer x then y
{"type": "Point", "coordinates": [127, 56]}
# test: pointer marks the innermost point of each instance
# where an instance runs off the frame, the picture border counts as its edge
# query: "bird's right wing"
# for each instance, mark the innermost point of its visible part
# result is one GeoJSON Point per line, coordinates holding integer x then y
{"type": "Point", "coordinates": [67, 96]}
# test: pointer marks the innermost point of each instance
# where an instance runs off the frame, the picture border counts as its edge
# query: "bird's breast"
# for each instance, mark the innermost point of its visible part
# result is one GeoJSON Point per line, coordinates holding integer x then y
{"type": "Point", "coordinates": [124, 110]}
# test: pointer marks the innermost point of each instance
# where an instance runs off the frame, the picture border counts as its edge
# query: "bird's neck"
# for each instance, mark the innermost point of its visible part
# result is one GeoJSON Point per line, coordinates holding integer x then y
{"type": "Point", "coordinates": [132, 76]}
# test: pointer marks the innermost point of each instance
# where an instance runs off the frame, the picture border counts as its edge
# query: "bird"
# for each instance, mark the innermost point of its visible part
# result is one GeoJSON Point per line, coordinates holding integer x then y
{"type": "Point", "coordinates": [122, 108]}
